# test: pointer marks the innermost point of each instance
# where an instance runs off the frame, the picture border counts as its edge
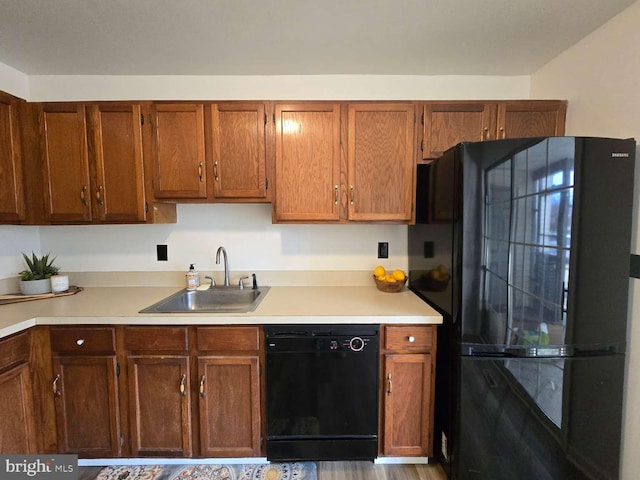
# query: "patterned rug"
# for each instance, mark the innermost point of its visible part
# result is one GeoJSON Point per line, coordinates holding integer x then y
{"type": "Point", "coordinates": [260, 471]}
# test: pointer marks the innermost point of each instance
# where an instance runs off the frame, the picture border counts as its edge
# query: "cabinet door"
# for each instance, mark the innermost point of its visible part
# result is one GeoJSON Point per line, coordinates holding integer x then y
{"type": "Point", "coordinates": [229, 406]}
{"type": "Point", "coordinates": [116, 148]}
{"type": "Point", "coordinates": [179, 151]}
{"type": "Point", "coordinates": [407, 405]}
{"type": "Point", "coordinates": [307, 162]}
{"type": "Point", "coordinates": [381, 161]}
{"type": "Point", "coordinates": [86, 401]}
{"type": "Point", "coordinates": [17, 426]}
{"type": "Point", "coordinates": [66, 167]}
{"type": "Point", "coordinates": [531, 118]}
{"type": "Point", "coordinates": [238, 135]}
{"type": "Point", "coordinates": [159, 414]}
{"type": "Point", "coordinates": [11, 180]}
{"type": "Point", "coordinates": [448, 123]}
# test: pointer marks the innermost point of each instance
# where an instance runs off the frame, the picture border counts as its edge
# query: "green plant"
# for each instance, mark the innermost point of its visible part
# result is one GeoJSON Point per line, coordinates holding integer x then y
{"type": "Point", "coordinates": [39, 267]}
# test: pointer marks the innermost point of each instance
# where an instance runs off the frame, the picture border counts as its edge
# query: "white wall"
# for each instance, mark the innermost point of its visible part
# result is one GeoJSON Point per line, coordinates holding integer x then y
{"type": "Point", "coordinates": [599, 76]}
{"type": "Point", "coordinates": [274, 87]}
{"type": "Point", "coordinates": [13, 241]}
{"type": "Point", "coordinates": [246, 232]}
{"type": "Point", "coordinates": [14, 82]}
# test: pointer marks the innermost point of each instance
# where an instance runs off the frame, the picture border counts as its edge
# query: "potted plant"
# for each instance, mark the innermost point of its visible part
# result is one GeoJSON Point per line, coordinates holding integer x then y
{"type": "Point", "coordinates": [35, 280]}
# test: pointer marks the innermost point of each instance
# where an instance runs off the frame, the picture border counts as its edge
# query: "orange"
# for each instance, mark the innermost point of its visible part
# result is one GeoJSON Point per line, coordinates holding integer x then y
{"type": "Point", "coordinates": [398, 275]}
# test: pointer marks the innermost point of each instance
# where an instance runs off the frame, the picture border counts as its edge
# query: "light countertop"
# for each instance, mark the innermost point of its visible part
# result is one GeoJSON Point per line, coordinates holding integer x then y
{"type": "Point", "coordinates": [282, 304]}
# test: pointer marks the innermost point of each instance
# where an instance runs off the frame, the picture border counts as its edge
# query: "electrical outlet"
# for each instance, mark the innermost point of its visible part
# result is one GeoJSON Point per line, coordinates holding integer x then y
{"type": "Point", "coordinates": [383, 249]}
{"type": "Point", "coordinates": [443, 447]}
{"type": "Point", "coordinates": [161, 251]}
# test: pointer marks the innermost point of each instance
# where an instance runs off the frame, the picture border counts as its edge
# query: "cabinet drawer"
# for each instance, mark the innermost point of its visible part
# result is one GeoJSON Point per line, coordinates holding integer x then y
{"type": "Point", "coordinates": [72, 340]}
{"type": "Point", "coordinates": [408, 338]}
{"type": "Point", "coordinates": [14, 350]}
{"type": "Point", "coordinates": [154, 339]}
{"type": "Point", "coordinates": [228, 338]}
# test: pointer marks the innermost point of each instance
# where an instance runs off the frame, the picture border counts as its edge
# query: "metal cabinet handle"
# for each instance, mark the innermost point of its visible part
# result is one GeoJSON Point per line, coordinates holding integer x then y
{"type": "Point", "coordinates": [351, 192]}
{"type": "Point", "coordinates": [83, 195]}
{"type": "Point", "coordinates": [411, 339]}
{"type": "Point", "coordinates": [503, 133]}
{"type": "Point", "coordinates": [56, 392]}
{"type": "Point", "coordinates": [99, 198]}
{"type": "Point", "coordinates": [215, 171]}
{"type": "Point", "coordinates": [80, 342]}
{"type": "Point", "coordinates": [202, 392]}
{"type": "Point", "coordinates": [200, 171]}
{"type": "Point", "coordinates": [389, 387]}
{"type": "Point", "coordinates": [183, 381]}
{"type": "Point", "coordinates": [485, 134]}
{"type": "Point", "coordinates": [335, 194]}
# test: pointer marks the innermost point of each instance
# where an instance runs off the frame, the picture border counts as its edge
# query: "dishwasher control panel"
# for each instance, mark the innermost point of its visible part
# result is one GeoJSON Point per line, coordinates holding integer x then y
{"type": "Point", "coordinates": [325, 338]}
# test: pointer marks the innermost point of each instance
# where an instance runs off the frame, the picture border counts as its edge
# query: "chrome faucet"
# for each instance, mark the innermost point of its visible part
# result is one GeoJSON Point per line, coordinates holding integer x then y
{"type": "Point", "coordinates": [226, 264]}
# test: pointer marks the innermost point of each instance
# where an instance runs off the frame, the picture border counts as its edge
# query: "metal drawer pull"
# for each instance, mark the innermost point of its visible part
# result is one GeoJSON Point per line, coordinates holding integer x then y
{"type": "Point", "coordinates": [56, 393]}
{"type": "Point", "coordinates": [411, 339]}
{"type": "Point", "coordinates": [80, 342]}
{"type": "Point", "coordinates": [183, 390]}
{"type": "Point", "coordinates": [99, 195]}
{"type": "Point", "coordinates": [389, 380]}
{"type": "Point", "coordinates": [202, 393]}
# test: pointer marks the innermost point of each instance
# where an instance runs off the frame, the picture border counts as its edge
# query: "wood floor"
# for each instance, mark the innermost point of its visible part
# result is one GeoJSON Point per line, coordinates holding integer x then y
{"type": "Point", "coordinates": [371, 471]}
{"type": "Point", "coordinates": [346, 471]}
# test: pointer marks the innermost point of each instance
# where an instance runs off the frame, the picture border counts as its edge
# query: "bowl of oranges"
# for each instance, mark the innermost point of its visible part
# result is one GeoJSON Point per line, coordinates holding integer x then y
{"type": "Point", "coordinates": [389, 281]}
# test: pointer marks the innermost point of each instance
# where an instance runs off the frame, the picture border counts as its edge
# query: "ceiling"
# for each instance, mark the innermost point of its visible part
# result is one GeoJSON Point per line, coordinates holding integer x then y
{"type": "Point", "coordinates": [293, 37]}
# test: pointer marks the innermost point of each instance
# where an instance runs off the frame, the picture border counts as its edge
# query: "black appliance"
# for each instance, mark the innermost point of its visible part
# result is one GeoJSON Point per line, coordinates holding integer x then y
{"type": "Point", "coordinates": [322, 392]}
{"type": "Point", "coordinates": [523, 245]}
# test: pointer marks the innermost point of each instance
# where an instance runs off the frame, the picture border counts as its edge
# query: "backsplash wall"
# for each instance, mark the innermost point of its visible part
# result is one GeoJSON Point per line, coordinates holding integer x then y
{"type": "Point", "coordinates": [245, 230]}
{"type": "Point", "coordinates": [13, 241]}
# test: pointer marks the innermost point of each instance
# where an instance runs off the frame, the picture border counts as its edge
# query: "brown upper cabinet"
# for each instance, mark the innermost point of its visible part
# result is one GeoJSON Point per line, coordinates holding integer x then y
{"type": "Point", "coordinates": [92, 158]}
{"type": "Point", "coordinates": [115, 144]}
{"type": "Point", "coordinates": [447, 123]}
{"type": "Point", "coordinates": [318, 181]}
{"type": "Point", "coordinates": [12, 208]}
{"type": "Point", "coordinates": [307, 162]}
{"type": "Point", "coordinates": [381, 161]}
{"type": "Point", "coordinates": [239, 158]}
{"type": "Point", "coordinates": [65, 159]}
{"type": "Point", "coordinates": [179, 150]}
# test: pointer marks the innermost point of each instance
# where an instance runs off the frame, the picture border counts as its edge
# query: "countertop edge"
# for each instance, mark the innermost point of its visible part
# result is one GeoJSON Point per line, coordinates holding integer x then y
{"type": "Point", "coordinates": [286, 305]}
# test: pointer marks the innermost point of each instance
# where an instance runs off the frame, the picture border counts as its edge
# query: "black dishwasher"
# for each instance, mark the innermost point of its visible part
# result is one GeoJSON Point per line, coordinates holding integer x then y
{"type": "Point", "coordinates": [322, 392]}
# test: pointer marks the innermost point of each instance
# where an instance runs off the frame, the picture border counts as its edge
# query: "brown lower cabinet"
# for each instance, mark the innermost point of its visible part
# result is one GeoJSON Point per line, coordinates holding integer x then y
{"type": "Point", "coordinates": [407, 390]}
{"type": "Point", "coordinates": [159, 406]}
{"type": "Point", "coordinates": [224, 395]}
{"type": "Point", "coordinates": [17, 426]}
{"type": "Point", "coordinates": [178, 391]}
{"type": "Point", "coordinates": [85, 391]}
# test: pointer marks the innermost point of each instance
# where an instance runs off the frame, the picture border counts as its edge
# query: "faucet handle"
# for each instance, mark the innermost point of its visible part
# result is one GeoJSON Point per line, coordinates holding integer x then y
{"type": "Point", "coordinates": [240, 283]}
{"type": "Point", "coordinates": [212, 280]}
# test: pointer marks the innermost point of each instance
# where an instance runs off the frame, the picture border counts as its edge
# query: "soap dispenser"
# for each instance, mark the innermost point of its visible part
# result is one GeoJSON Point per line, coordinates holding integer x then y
{"type": "Point", "coordinates": [193, 278]}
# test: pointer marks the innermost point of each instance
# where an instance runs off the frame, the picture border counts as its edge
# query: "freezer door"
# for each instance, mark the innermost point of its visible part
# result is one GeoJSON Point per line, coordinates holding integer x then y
{"type": "Point", "coordinates": [539, 419]}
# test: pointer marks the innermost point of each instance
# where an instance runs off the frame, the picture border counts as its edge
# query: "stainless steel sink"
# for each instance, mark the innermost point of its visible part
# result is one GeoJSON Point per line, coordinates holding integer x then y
{"type": "Point", "coordinates": [213, 300]}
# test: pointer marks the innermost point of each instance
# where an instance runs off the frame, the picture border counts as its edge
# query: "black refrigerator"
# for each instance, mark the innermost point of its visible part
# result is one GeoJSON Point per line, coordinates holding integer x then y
{"type": "Point", "coordinates": [524, 246]}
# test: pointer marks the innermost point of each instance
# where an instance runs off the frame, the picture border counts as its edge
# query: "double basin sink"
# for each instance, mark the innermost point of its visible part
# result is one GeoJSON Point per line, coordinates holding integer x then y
{"type": "Point", "coordinates": [212, 300]}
